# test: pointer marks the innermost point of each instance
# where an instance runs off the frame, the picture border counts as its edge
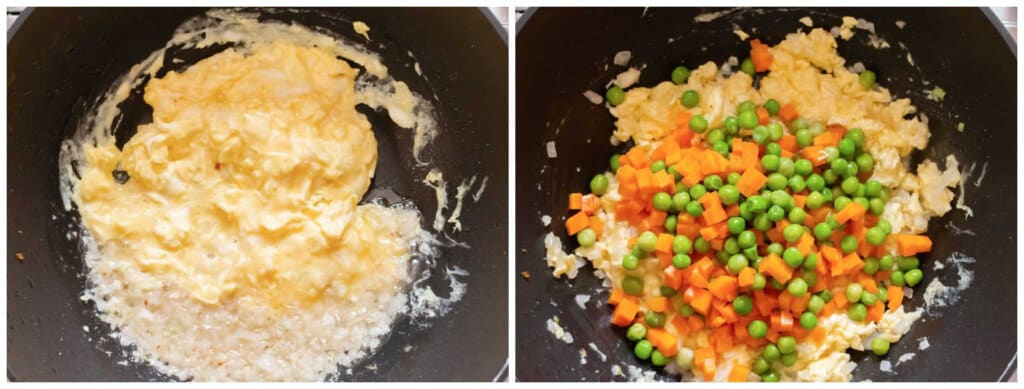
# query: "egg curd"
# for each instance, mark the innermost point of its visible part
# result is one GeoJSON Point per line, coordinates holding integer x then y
{"type": "Point", "coordinates": [226, 239]}
{"type": "Point", "coordinates": [805, 71]}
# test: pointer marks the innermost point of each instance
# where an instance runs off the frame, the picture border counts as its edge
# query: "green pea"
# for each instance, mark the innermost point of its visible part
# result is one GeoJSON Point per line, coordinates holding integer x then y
{"type": "Point", "coordinates": [759, 282]}
{"type": "Point", "coordinates": [630, 262]}
{"type": "Point", "coordinates": [736, 225]}
{"type": "Point", "coordinates": [681, 244]}
{"type": "Point", "coordinates": [853, 292]}
{"type": "Point", "coordinates": [636, 332]}
{"type": "Point", "coordinates": [848, 244]}
{"type": "Point", "coordinates": [770, 162]}
{"type": "Point", "coordinates": [788, 360]}
{"type": "Point", "coordinates": [759, 134]}
{"type": "Point", "coordinates": [757, 329]}
{"type": "Point", "coordinates": [698, 123]}
{"type": "Point", "coordinates": [815, 182]}
{"type": "Point", "coordinates": [636, 251]}
{"type": "Point", "coordinates": [803, 167]}
{"type": "Point", "coordinates": [873, 188]}
{"type": "Point", "coordinates": [731, 246]}
{"type": "Point", "coordinates": [737, 263]}
{"type": "Point", "coordinates": [869, 299]}
{"type": "Point", "coordinates": [701, 245]}
{"type": "Point", "coordinates": [857, 312]}
{"type": "Point", "coordinates": [679, 201]}
{"type": "Point", "coordinates": [826, 295]}
{"type": "Point", "coordinates": [643, 349]}
{"type": "Point", "coordinates": [815, 200]}
{"type": "Point", "coordinates": [786, 167]}
{"type": "Point", "coordinates": [884, 224]}
{"type": "Point", "coordinates": [690, 98]}
{"type": "Point", "coordinates": [777, 181]}
{"type": "Point", "coordinates": [654, 319]}
{"type": "Point", "coordinates": [786, 344]}
{"type": "Point", "coordinates": [846, 148]}
{"type": "Point", "coordinates": [770, 377]}
{"type": "Point", "coordinates": [761, 366]}
{"type": "Point", "coordinates": [731, 125]}
{"type": "Point", "coordinates": [775, 131]}
{"type": "Point", "coordinates": [657, 166]}
{"type": "Point", "coordinates": [658, 359]}
{"type": "Point", "coordinates": [822, 231]}
{"type": "Point", "coordinates": [615, 95]}
{"type": "Point", "coordinates": [866, 79]}
{"type": "Point", "coordinates": [586, 237]}
{"type": "Point", "coordinates": [599, 184]}
{"type": "Point", "coordinates": [772, 106]}
{"type": "Point", "coordinates": [870, 265]}
{"type": "Point", "coordinates": [907, 263]}
{"type": "Point", "coordinates": [913, 276]}
{"type": "Point", "coordinates": [697, 191]}
{"type": "Point", "coordinates": [646, 241]}
{"type": "Point", "coordinates": [721, 147]}
{"type": "Point", "coordinates": [811, 261]}
{"type": "Point", "coordinates": [839, 166]}
{"type": "Point", "coordinates": [876, 206]}
{"type": "Point", "coordinates": [716, 135]}
{"type": "Point", "coordinates": [747, 66]}
{"type": "Point", "coordinates": [680, 74]}
{"type": "Point", "coordinates": [722, 257]}
{"type": "Point", "coordinates": [804, 138]}
{"type": "Point", "coordinates": [797, 216]}
{"type": "Point", "coordinates": [810, 277]}
{"type": "Point", "coordinates": [671, 221]}
{"type": "Point", "coordinates": [793, 257]}
{"type": "Point", "coordinates": [856, 135]}
{"type": "Point", "coordinates": [797, 287]}
{"type": "Point", "coordinates": [713, 182]}
{"type": "Point", "coordinates": [771, 353]}
{"type": "Point", "coordinates": [681, 261]}
{"type": "Point", "coordinates": [851, 169]}
{"type": "Point", "coordinates": [755, 259]}
{"type": "Point", "coordinates": [815, 304]}
{"type": "Point", "coordinates": [686, 310]}
{"type": "Point", "coordinates": [793, 232]}
{"type": "Point", "coordinates": [897, 278]}
{"type": "Point", "coordinates": [747, 119]}
{"type": "Point", "coordinates": [758, 204]}
{"type": "Point", "coordinates": [633, 285]}
{"type": "Point", "coordinates": [694, 209]}
{"type": "Point", "coordinates": [775, 248]}
{"type": "Point", "coordinates": [841, 202]}
{"type": "Point", "coordinates": [729, 194]}
{"type": "Point", "coordinates": [865, 162]}
{"type": "Point", "coordinates": [883, 295]}
{"type": "Point", "coordinates": [850, 185]}
{"type": "Point", "coordinates": [743, 304]}
{"type": "Point", "coordinates": [776, 213]}
{"type": "Point", "coordinates": [732, 178]}
{"type": "Point", "coordinates": [746, 239]}
{"type": "Point", "coordinates": [886, 262]}
{"type": "Point", "coordinates": [879, 346]}
{"type": "Point", "coordinates": [614, 162]}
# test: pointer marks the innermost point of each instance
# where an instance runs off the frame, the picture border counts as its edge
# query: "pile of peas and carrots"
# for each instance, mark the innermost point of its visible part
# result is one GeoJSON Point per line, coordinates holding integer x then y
{"type": "Point", "coordinates": [761, 227]}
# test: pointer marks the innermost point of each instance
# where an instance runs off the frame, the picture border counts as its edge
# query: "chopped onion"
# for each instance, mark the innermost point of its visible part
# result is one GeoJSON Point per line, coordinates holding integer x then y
{"type": "Point", "coordinates": [622, 57]}
{"type": "Point", "coordinates": [551, 150]}
{"type": "Point", "coordinates": [593, 97]}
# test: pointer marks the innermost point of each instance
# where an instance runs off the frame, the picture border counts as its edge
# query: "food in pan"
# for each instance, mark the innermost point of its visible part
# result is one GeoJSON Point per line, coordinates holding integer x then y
{"type": "Point", "coordinates": [229, 239]}
{"type": "Point", "coordinates": [758, 231]}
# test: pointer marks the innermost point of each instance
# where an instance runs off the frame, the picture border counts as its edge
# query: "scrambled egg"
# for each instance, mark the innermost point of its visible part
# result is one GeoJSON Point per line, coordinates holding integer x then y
{"type": "Point", "coordinates": [247, 181]}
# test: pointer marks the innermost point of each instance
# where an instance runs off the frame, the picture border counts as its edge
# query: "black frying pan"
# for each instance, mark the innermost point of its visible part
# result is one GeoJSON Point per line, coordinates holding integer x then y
{"type": "Point", "coordinates": [59, 60]}
{"type": "Point", "coordinates": [562, 52]}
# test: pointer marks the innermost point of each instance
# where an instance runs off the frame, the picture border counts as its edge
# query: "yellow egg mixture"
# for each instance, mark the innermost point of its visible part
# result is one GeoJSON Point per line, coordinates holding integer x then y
{"type": "Point", "coordinates": [246, 183]}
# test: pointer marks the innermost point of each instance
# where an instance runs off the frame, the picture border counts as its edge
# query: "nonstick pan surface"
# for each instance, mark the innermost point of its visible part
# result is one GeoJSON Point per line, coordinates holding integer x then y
{"type": "Point", "coordinates": [562, 52]}
{"type": "Point", "coordinates": [60, 60]}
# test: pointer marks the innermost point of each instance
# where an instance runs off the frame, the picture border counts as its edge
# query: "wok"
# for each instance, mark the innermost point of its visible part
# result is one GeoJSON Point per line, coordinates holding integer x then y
{"type": "Point", "coordinates": [562, 52]}
{"type": "Point", "coordinates": [61, 59]}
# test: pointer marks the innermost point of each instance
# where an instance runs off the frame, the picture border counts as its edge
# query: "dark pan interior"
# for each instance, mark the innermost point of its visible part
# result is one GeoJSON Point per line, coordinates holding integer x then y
{"type": "Point", "coordinates": [562, 52]}
{"type": "Point", "coordinates": [61, 59]}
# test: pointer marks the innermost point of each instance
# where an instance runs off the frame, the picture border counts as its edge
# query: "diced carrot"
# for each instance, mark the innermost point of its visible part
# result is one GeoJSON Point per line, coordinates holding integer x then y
{"type": "Point", "coordinates": [645, 181]}
{"type": "Point", "coordinates": [763, 117]}
{"type": "Point", "coordinates": [908, 244]}
{"type": "Point", "coordinates": [596, 224]}
{"type": "Point", "coordinates": [840, 300]}
{"type": "Point", "coordinates": [852, 211]}
{"type": "Point", "coordinates": [705, 266]}
{"type": "Point", "coordinates": [788, 113]}
{"type": "Point", "coordinates": [818, 335]}
{"type": "Point", "coordinates": [852, 263]}
{"type": "Point", "coordinates": [773, 266]}
{"type": "Point", "coordinates": [785, 321]}
{"type": "Point", "coordinates": [785, 300]}
{"type": "Point", "coordinates": [739, 373]}
{"type": "Point", "coordinates": [805, 244]}
{"type": "Point", "coordinates": [799, 304]}
{"type": "Point", "coordinates": [664, 182]}
{"type": "Point", "coordinates": [575, 201]}
{"type": "Point", "coordinates": [701, 301]}
{"type": "Point", "coordinates": [637, 158]}
{"type": "Point", "coordinates": [699, 280]}
{"type": "Point", "coordinates": [705, 360]}
{"type": "Point", "coordinates": [577, 223]}
{"type": "Point", "coordinates": [658, 303]}
{"type": "Point", "coordinates": [672, 277]}
{"type": "Point", "coordinates": [724, 287]}
{"type": "Point", "coordinates": [760, 56]}
{"type": "Point", "coordinates": [625, 312]}
{"type": "Point", "coordinates": [788, 143]}
{"type": "Point", "coordinates": [664, 259]}
{"type": "Point", "coordinates": [664, 341]}
{"type": "Point", "coordinates": [895, 295]}
{"type": "Point", "coordinates": [615, 296]}
{"type": "Point", "coordinates": [591, 203]}
{"type": "Point", "coordinates": [868, 283]}
{"type": "Point", "coordinates": [664, 243]}
{"type": "Point", "coordinates": [751, 182]}
{"type": "Point", "coordinates": [746, 277]}
{"type": "Point", "coordinates": [875, 312]}
{"type": "Point", "coordinates": [816, 154]}
{"type": "Point", "coordinates": [626, 175]}
{"type": "Point", "coordinates": [713, 211]}
{"type": "Point", "coordinates": [834, 258]}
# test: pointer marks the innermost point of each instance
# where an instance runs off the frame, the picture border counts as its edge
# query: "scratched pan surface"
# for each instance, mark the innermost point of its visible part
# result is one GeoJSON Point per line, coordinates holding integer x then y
{"type": "Point", "coordinates": [562, 52]}
{"type": "Point", "coordinates": [61, 59]}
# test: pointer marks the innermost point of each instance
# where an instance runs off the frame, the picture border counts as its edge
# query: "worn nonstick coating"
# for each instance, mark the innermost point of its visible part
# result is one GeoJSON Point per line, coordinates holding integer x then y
{"type": "Point", "coordinates": [59, 60]}
{"type": "Point", "coordinates": [562, 52]}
